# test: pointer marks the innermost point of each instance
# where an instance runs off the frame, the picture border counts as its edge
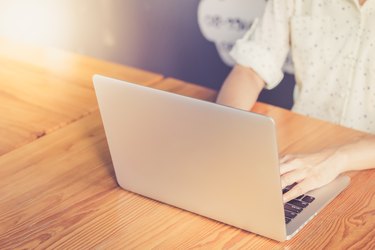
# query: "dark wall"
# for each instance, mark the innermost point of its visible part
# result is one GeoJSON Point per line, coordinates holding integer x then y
{"type": "Point", "coordinates": [171, 42]}
{"type": "Point", "coordinates": [165, 37]}
{"type": "Point", "coordinates": [157, 35]}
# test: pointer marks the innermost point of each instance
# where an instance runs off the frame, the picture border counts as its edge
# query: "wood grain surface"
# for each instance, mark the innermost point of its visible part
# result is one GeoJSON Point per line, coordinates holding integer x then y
{"type": "Point", "coordinates": [43, 89]}
{"type": "Point", "coordinates": [60, 192]}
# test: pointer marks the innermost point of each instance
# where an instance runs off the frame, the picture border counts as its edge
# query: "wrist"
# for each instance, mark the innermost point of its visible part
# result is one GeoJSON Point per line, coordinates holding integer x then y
{"type": "Point", "coordinates": [342, 157]}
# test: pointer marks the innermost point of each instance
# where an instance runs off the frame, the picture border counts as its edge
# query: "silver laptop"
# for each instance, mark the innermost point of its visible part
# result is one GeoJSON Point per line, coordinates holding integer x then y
{"type": "Point", "coordinates": [209, 159]}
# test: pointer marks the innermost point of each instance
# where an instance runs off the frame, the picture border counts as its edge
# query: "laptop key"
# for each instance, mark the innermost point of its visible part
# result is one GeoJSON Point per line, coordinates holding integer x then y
{"type": "Point", "coordinates": [292, 208]}
{"type": "Point", "coordinates": [290, 214]}
{"type": "Point", "coordinates": [298, 203]}
{"type": "Point", "coordinates": [308, 199]}
{"type": "Point", "coordinates": [300, 197]}
{"type": "Point", "coordinates": [287, 220]}
{"type": "Point", "coordinates": [287, 188]}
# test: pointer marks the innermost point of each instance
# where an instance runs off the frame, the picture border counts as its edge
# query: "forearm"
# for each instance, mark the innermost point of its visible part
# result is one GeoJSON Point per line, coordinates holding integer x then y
{"type": "Point", "coordinates": [241, 88]}
{"type": "Point", "coordinates": [358, 155]}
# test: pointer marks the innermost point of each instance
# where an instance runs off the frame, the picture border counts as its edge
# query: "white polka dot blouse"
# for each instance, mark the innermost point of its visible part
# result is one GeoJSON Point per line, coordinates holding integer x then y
{"type": "Point", "coordinates": [333, 49]}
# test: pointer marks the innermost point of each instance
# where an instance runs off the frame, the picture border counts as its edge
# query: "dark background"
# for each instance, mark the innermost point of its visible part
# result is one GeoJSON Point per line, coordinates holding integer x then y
{"type": "Point", "coordinates": [157, 35]}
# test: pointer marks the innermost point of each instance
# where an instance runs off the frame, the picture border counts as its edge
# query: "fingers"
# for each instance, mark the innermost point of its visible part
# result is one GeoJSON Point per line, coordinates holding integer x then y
{"type": "Point", "coordinates": [293, 193]}
{"type": "Point", "coordinates": [286, 158]}
{"type": "Point", "coordinates": [289, 163]}
{"type": "Point", "coordinates": [287, 167]}
{"type": "Point", "coordinates": [309, 171]}
{"type": "Point", "coordinates": [300, 189]}
{"type": "Point", "coordinates": [292, 177]}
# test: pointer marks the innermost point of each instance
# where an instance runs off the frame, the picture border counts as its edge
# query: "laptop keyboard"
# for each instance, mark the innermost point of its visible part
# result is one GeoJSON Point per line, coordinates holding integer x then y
{"type": "Point", "coordinates": [294, 207]}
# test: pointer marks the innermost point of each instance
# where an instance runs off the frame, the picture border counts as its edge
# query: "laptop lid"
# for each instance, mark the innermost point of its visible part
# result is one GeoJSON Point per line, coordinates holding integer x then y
{"type": "Point", "coordinates": [209, 159]}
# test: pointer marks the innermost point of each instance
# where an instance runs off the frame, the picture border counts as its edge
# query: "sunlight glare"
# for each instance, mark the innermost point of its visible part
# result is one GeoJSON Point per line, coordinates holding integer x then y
{"type": "Point", "coordinates": [39, 21]}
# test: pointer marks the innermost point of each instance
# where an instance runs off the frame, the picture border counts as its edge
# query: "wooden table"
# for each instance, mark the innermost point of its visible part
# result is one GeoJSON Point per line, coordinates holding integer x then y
{"type": "Point", "coordinates": [42, 90]}
{"type": "Point", "coordinates": [58, 188]}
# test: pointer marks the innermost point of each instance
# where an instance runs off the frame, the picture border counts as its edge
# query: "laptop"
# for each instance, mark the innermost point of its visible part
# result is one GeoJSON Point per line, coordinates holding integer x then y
{"type": "Point", "coordinates": [209, 159]}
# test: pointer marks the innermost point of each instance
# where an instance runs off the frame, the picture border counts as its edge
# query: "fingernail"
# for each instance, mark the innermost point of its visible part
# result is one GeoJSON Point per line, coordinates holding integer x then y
{"type": "Point", "coordinates": [284, 199]}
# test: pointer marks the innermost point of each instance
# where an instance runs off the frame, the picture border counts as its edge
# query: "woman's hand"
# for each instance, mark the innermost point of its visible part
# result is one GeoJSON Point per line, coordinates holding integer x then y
{"type": "Point", "coordinates": [310, 171]}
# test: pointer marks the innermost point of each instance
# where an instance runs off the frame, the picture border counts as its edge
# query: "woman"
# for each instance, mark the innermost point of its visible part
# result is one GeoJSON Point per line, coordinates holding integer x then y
{"type": "Point", "coordinates": [333, 48]}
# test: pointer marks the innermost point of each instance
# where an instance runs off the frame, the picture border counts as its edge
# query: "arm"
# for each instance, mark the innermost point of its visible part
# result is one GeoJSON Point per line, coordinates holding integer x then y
{"type": "Point", "coordinates": [359, 155]}
{"type": "Point", "coordinates": [262, 52]}
{"type": "Point", "coordinates": [241, 88]}
{"type": "Point", "coordinates": [315, 170]}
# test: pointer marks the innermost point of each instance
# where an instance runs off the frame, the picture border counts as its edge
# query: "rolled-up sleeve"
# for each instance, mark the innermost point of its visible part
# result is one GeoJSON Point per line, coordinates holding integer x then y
{"type": "Point", "coordinates": [264, 47]}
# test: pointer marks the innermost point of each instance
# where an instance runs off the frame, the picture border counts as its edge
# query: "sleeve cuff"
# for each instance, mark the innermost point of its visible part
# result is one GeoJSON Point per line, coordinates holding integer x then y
{"type": "Point", "coordinates": [251, 54]}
